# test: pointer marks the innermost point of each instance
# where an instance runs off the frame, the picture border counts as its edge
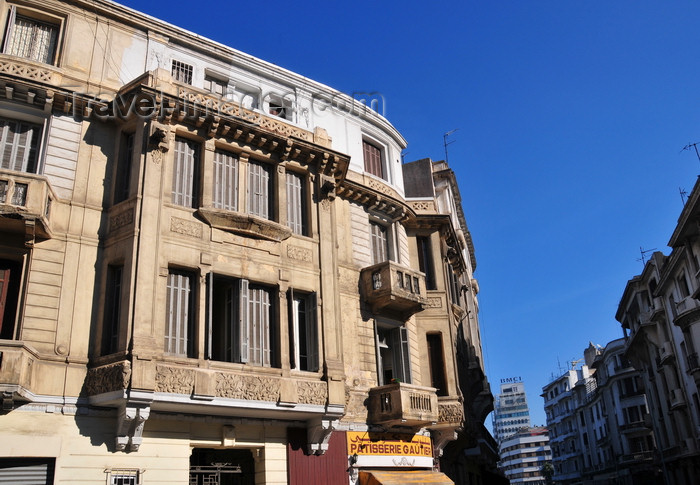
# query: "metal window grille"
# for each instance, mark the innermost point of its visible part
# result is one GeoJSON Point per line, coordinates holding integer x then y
{"type": "Point", "coordinates": [19, 144]}
{"type": "Point", "coordinates": [123, 477]}
{"type": "Point", "coordinates": [185, 173]}
{"type": "Point", "coordinates": [373, 159]}
{"type": "Point", "coordinates": [180, 312]}
{"type": "Point", "coordinates": [182, 72]}
{"type": "Point", "coordinates": [225, 181]}
{"type": "Point", "coordinates": [31, 38]}
{"type": "Point", "coordinates": [259, 189]}
{"type": "Point", "coordinates": [296, 203]}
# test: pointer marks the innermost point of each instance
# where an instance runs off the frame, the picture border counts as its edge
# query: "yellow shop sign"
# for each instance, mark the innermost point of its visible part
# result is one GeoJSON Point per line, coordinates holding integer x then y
{"type": "Point", "coordinates": [388, 444]}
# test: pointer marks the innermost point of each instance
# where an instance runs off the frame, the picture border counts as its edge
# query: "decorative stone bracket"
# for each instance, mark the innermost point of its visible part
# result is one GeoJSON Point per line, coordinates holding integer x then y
{"type": "Point", "coordinates": [130, 422]}
{"type": "Point", "coordinates": [318, 435]}
{"type": "Point", "coordinates": [440, 439]}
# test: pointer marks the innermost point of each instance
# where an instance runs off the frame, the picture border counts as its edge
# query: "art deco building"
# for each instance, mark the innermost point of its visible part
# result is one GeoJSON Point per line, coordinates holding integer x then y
{"type": "Point", "coordinates": [214, 270]}
{"type": "Point", "coordinates": [659, 314]}
{"type": "Point", "coordinates": [511, 411]}
{"type": "Point", "coordinates": [524, 454]}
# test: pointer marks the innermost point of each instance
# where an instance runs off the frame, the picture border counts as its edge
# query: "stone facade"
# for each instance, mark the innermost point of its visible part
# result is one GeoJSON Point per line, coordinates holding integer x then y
{"type": "Point", "coordinates": [200, 266]}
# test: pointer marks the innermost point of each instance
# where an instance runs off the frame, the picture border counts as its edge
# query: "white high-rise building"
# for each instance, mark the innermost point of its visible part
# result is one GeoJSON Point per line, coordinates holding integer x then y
{"type": "Point", "coordinates": [511, 412]}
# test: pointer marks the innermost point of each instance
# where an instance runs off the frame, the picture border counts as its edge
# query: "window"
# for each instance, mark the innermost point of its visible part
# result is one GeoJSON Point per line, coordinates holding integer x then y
{"type": "Point", "coordinates": [123, 477]}
{"type": "Point", "coordinates": [181, 72]}
{"type": "Point", "coordinates": [259, 189]}
{"type": "Point", "coordinates": [425, 261]}
{"type": "Point", "coordinates": [683, 288]}
{"type": "Point", "coordinates": [296, 203]}
{"type": "Point", "coordinates": [225, 181]}
{"type": "Point", "coordinates": [373, 159]}
{"type": "Point", "coordinates": [186, 173]}
{"type": "Point", "coordinates": [179, 331]}
{"type": "Point", "coordinates": [303, 332]}
{"type": "Point", "coordinates": [19, 145]}
{"type": "Point", "coordinates": [453, 281]}
{"type": "Point", "coordinates": [393, 363]}
{"type": "Point", "coordinates": [248, 98]}
{"type": "Point", "coordinates": [126, 153]}
{"type": "Point", "coordinates": [280, 107]}
{"type": "Point", "coordinates": [436, 359]}
{"type": "Point", "coordinates": [379, 242]}
{"type": "Point", "coordinates": [39, 471]}
{"type": "Point", "coordinates": [215, 85]}
{"type": "Point", "coordinates": [240, 322]}
{"type": "Point", "coordinates": [10, 277]}
{"type": "Point", "coordinates": [110, 336]}
{"type": "Point", "coordinates": [30, 38]}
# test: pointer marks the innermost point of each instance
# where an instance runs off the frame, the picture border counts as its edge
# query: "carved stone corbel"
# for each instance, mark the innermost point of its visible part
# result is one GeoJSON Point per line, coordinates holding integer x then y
{"type": "Point", "coordinates": [318, 434]}
{"type": "Point", "coordinates": [440, 439]}
{"type": "Point", "coordinates": [130, 422]}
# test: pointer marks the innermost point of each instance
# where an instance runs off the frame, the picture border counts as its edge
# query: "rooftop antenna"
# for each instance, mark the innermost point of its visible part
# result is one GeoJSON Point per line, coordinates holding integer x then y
{"type": "Point", "coordinates": [403, 155]}
{"type": "Point", "coordinates": [683, 193]}
{"type": "Point", "coordinates": [695, 146]}
{"type": "Point", "coordinates": [574, 363]}
{"type": "Point", "coordinates": [445, 142]}
{"type": "Point", "coordinates": [643, 252]}
{"type": "Point", "coordinates": [559, 365]}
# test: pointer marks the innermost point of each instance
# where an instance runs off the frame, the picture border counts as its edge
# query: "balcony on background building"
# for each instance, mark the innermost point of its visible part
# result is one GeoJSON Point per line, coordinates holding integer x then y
{"type": "Point", "coordinates": [676, 399]}
{"type": "Point", "coordinates": [403, 405]}
{"type": "Point", "coordinates": [25, 204]}
{"type": "Point", "coordinates": [391, 288]}
{"type": "Point", "coordinates": [666, 352]}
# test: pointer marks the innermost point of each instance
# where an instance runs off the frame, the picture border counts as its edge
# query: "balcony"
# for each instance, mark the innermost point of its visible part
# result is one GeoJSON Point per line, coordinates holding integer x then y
{"type": "Point", "coordinates": [25, 204]}
{"type": "Point", "coordinates": [666, 352]}
{"type": "Point", "coordinates": [391, 288]}
{"type": "Point", "coordinates": [399, 405]}
{"type": "Point", "coordinates": [687, 312]}
{"type": "Point", "coordinates": [694, 366]}
{"type": "Point", "coordinates": [676, 399]}
{"type": "Point", "coordinates": [639, 457]}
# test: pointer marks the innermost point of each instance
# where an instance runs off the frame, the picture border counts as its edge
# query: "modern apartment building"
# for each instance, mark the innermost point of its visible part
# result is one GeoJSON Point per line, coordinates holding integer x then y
{"type": "Point", "coordinates": [524, 454]}
{"type": "Point", "coordinates": [214, 270]}
{"type": "Point", "coordinates": [660, 317]}
{"type": "Point", "coordinates": [511, 411]}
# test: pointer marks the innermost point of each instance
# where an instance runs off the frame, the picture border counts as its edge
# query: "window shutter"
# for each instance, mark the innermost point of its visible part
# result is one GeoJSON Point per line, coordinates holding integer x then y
{"type": "Point", "coordinates": [258, 189]}
{"type": "Point", "coordinates": [178, 313]}
{"type": "Point", "coordinates": [243, 321]}
{"type": "Point", "coordinates": [295, 203]}
{"type": "Point", "coordinates": [400, 352]}
{"type": "Point", "coordinates": [378, 356]}
{"type": "Point", "coordinates": [225, 181]}
{"type": "Point", "coordinates": [10, 29]}
{"type": "Point", "coordinates": [185, 173]}
{"type": "Point", "coordinates": [264, 312]}
{"type": "Point", "coordinates": [294, 327]}
{"type": "Point", "coordinates": [230, 325]}
{"type": "Point", "coordinates": [312, 343]}
{"type": "Point", "coordinates": [4, 284]}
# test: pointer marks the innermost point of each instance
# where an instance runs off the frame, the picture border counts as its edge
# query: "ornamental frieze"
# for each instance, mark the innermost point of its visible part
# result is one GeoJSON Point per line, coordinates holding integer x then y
{"type": "Point", "coordinates": [311, 392]}
{"type": "Point", "coordinates": [174, 380]}
{"type": "Point", "coordinates": [108, 378]}
{"type": "Point", "coordinates": [450, 413]}
{"type": "Point", "coordinates": [299, 253]}
{"type": "Point", "coordinates": [120, 220]}
{"type": "Point", "coordinates": [252, 388]}
{"type": "Point", "coordinates": [187, 228]}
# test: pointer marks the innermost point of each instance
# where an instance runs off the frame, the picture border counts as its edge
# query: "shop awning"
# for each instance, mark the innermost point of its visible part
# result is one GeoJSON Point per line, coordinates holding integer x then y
{"type": "Point", "coordinates": [404, 477]}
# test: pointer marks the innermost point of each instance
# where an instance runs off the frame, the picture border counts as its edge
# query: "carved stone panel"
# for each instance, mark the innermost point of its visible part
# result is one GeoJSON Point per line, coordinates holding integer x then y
{"type": "Point", "coordinates": [174, 380]}
{"type": "Point", "coordinates": [254, 388]}
{"type": "Point", "coordinates": [187, 228]}
{"type": "Point", "coordinates": [299, 253]}
{"type": "Point", "coordinates": [108, 378]}
{"type": "Point", "coordinates": [311, 392]}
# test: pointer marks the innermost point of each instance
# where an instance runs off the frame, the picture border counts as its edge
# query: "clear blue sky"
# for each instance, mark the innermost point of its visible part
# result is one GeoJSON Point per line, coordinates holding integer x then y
{"type": "Point", "coordinates": [571, 118]}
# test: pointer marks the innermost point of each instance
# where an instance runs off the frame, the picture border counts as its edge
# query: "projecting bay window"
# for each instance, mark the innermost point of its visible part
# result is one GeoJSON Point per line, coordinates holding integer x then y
{"type": "Point", "coordinates": [225, 194]}
{"type": "Point", "coordinates": [296, 203]}
{"type": "Point", "coordinates": [392, 353]}
{"type": "Point", "coordinates": [240, 325]}
{"type": "Point", "coordinates": [32, 36]}
{"type": "Point", "coordinates": [303, 332]}
{"type": "Point", "coordinates": [259, 189]}
{"type": "Point", "coordinates": [19, 145]}
{"type": "Point", "coordinates": [180, 313]}
{"type": "Point", "coordinates": [186, 169]}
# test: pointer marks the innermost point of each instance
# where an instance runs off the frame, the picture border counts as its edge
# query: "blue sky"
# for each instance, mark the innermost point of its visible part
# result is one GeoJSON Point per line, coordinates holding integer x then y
{"type": "Point", "coordinates": [571, 120]}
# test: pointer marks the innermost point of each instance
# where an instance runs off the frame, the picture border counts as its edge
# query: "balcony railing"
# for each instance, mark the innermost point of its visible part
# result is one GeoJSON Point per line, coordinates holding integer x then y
{"type": "Point", "coordinates": [666, 352]}
{"type": "Point", "coordinates": [676, 399]}
{"type": "Point", "coordinates": [390, 287]}
{"type": "Point", "coordinates": [638, 457]}
{"type": "Point", "coordinates": [403, 405]}
{"type": "Point", "coordinates": [693, 363]}
{"type": "Point", "coordinates": [25, 197]}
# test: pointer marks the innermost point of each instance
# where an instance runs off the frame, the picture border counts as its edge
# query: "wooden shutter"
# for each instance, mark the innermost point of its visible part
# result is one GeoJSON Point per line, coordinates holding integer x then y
{"type": "Point", "coordinates": [10, 29]}
{"type": "Point", "coordinates": [178, 301]}
{"type": "Point", "coordinates": [185, 173]}
{"type": "Point", "coordinates": [295, 203]}
{"type": "Point", "coordinates": [295, 350]}
{"type": "Point", "coordinates": [259, 189]}
{"type": "Point", "coordinates": [243, 322]}
{"type": "Point", "coordinates": [400, 354]}
{"type": "Point", "coordinates": [378, 356]}
{"type": "Point", "coordinates": [379, 242]}
{"type": "Point", "coordinates": [373, 159]}
{"type": "Point", "coordinates": [225, 181]}
{"type": "Point", "coordinates": [210, 312]}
